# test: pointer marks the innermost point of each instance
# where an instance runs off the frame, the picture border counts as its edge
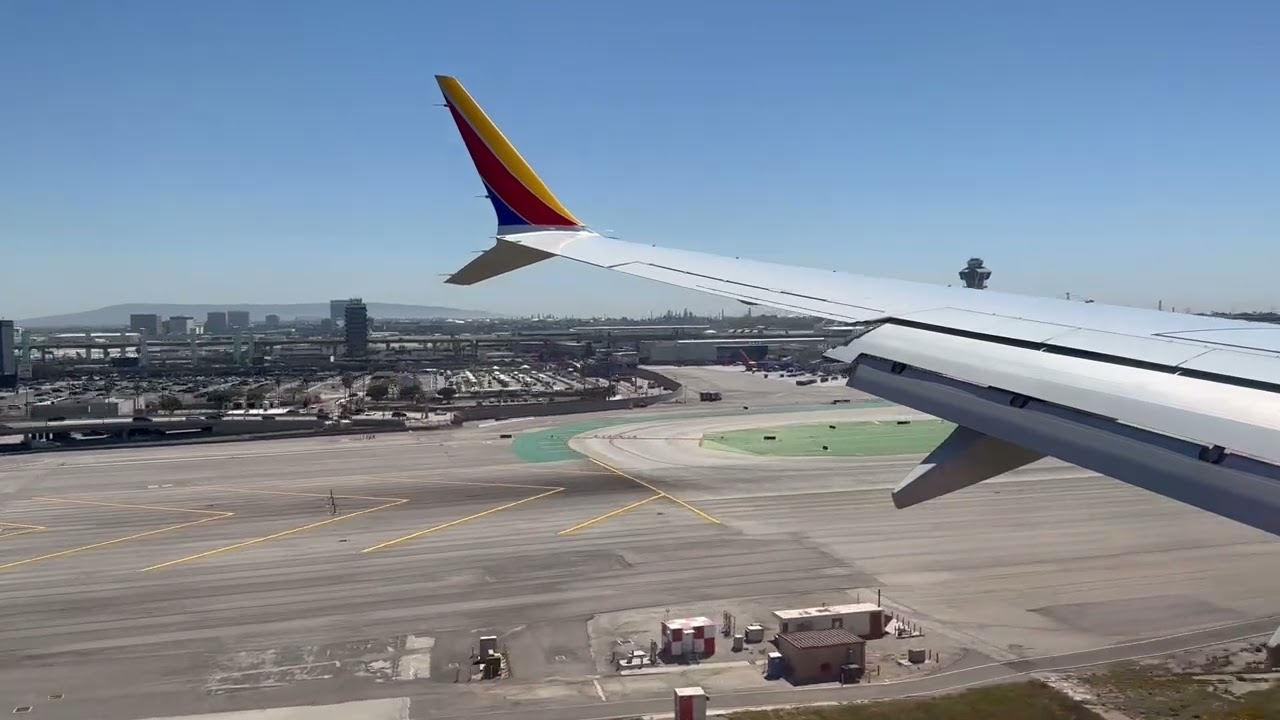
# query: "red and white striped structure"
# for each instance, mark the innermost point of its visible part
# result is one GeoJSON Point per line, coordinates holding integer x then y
{"type": "Point", "coordinates": [691, 703]}
{"type": "Point", "coordinates": [689, 636]}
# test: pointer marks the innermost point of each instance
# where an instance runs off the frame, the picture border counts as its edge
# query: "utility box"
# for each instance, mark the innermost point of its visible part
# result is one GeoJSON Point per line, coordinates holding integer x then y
{"type": "Point", "coordinates": [755, 633]}
{"type": "Point", "coordinates": [488, 645]}
{"type": "Point", "coordinates": [691, 703]}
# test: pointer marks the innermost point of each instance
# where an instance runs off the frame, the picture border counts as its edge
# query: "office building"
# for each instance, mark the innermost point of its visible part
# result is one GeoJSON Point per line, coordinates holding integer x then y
{"type": "Point", "coordinates": [145, 324]}
{"type": "Point", "coordinates": [356, 318]}
{"type": "Point", "coordinates": [8, 356]}
{"type": "Point", "coordinates": [215, 323]}
{"type": "Point", "coordinates": [273, 321]}
{"type": "Point", "coordinates": [238, 319]}
{"type": "Point", "coordinates": [181, 325]}
{"type": "Point", "coordinates": [337, 310]}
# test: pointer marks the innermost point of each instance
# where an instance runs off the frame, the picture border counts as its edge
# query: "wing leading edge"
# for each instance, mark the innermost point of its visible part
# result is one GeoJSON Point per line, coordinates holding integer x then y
{"type": "Point", "coordinates": [1181, 405]}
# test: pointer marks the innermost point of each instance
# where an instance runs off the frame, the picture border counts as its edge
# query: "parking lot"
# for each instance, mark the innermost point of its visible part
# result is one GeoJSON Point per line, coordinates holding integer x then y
{"type": "Point", "coordinates": [523, 380]}
{"type": "Point", "coordinates": [195, 391]}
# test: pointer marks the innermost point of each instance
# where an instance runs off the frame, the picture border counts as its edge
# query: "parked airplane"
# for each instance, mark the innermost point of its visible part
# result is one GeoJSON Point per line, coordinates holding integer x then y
{"type": "Point", "coordinates": [783, 365]}
{"type": "Point", "coordinates": [1181, 405]}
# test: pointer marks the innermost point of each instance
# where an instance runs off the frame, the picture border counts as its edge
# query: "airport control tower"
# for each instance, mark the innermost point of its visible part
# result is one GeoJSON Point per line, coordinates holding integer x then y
{"type": "Point", "coordinates": [975, 274]}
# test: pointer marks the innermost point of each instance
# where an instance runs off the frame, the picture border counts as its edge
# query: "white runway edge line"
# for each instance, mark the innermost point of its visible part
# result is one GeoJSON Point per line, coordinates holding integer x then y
{"type": "Point", "coordinates": [491, 423]}
{"type": "Point", "coordinates": [949, 688]}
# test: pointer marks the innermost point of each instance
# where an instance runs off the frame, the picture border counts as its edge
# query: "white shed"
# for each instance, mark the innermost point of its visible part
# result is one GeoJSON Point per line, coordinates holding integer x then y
{"type": "Point", "coordinates": [865, 620]}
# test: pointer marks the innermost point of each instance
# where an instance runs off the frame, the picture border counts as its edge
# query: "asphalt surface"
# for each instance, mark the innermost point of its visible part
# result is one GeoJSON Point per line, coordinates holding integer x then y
{"type": "Point", "coordinates": [168, 581]}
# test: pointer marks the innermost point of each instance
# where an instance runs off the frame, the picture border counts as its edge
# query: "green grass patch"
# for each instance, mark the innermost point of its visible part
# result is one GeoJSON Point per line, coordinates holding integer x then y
{"type": "Point", "coordinates": [552, 445]}
{"type": "Point", "coordinates": [1020, 701]}
{"type": "Point", "coordinates": [847, 439]}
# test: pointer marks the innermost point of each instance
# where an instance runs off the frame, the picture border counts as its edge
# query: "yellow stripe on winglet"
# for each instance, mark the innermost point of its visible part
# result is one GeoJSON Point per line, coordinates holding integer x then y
{"type": "Point", "coordinates": [460, 99]}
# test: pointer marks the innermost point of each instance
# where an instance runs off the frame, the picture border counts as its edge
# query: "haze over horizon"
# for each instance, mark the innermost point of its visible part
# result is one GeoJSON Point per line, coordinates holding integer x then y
{"type": "Point", "coordinates": [1124, 153]}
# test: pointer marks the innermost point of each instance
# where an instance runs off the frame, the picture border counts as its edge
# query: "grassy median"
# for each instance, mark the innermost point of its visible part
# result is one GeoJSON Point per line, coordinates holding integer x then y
{"type": "Point", "coordinates": [1136, 694]}
{"type": "Point", "coordinates": [841, 439]}
{"type": "Point", "coordinates": [1019, 701]}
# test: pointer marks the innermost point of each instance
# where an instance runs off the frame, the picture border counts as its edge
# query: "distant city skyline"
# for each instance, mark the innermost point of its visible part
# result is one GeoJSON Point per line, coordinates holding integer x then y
{"type": "Point", "coordinates": [204, 311]}
{"type": "Point", "coordinates": [262, 316]}
{"type": "Point", "coordinates": [1123, 152]}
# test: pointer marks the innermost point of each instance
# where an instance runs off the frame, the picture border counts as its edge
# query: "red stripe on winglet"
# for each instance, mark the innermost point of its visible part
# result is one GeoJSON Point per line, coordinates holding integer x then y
{"type": "Point", "coordinates": [500, 180]}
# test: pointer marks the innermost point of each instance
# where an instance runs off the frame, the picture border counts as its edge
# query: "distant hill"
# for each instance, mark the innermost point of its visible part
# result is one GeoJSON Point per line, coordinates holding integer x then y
{"type": "Point", "coordinates": [114, 316]}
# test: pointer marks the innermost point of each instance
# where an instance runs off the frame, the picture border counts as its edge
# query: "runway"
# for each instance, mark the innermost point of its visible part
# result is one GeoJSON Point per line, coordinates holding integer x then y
{"type": "Point", "coordinates": [168, 581]}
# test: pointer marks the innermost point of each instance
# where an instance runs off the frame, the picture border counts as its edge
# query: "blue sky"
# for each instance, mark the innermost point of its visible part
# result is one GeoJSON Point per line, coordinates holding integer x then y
{"type": "Point", "coordinates": [240, 151]}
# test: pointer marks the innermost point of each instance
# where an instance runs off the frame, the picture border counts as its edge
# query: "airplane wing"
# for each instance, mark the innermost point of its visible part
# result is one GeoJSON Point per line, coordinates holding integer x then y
{"type": "Point", "coordinates": [1181, 405]}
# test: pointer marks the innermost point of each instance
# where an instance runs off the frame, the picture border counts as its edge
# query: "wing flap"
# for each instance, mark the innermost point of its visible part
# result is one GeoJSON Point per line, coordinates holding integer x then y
{"type": "Point", "coordinates": [1257, 337]}
{"type": "Point", "coordinates": [1239, 418]}
{"type": "Point", "coordinates": [1012, 328]}
{"type": "Point", "coordinates": [1259, 368]}
{"type": "Point", "coordinates": [1143, 349]}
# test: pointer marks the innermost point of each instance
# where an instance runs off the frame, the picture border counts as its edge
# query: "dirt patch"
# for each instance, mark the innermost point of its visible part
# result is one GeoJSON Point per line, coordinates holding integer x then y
{"type": "Point", "coordinates": [1003, 702]}
{"type": "Point", "coordinates": [1150, 692]}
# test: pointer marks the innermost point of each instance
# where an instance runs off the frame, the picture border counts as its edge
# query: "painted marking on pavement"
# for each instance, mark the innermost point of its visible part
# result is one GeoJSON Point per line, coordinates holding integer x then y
{"type": "Point", "coordinates": [611, 513]}
{"type": "Point", "coordinates": [459, 521]}
{"type": "Point", "coordinates": [211, 515]}
{"type": "Point", "coordinates": [391, 502]}
{"type": "Point", "coordinates": [664, 494]}
{"type": "Point", "coordinates": [21, 529]}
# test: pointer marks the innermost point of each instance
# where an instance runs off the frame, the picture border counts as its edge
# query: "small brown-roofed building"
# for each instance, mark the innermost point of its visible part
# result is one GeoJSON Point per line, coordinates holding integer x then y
{"type": "Point", "coordinates": [814, 656]}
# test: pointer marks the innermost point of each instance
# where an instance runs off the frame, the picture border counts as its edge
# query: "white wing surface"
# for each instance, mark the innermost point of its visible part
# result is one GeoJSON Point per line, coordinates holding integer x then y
{"type": "Point", "coordinates": [1181, 405]}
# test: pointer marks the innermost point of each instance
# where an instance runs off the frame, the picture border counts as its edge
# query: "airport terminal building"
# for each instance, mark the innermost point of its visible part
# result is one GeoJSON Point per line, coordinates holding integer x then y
{"type": "Point", "coordinates": [727, 349]}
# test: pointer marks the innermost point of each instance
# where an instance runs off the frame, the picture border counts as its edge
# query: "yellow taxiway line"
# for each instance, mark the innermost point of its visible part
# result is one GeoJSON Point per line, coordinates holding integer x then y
{"type": "Point", "coordinates": [459, 521]}
{"type": "Point", "coordinates": [666, 495]}
{"type": "Point", "coordinates": [391, 502]}
{"type": "Point", "coordinates": [130, 506]}
{"type": "Point", "coordinates": [612, 513]}
{"type": "Point", "coordinates": [388, 478]}
{"type": "Point", "coordinates": [212, 515]}
{"type": "Point", "coordinates": [228, 488]}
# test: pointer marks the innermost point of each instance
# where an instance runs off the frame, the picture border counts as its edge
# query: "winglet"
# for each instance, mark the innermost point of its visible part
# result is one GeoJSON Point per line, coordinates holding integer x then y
{"type": "Point", "coordinates": [522, 202]}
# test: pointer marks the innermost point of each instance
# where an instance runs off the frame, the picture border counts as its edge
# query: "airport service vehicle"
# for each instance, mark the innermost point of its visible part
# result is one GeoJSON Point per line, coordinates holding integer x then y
{"type": "Point", "coordinates": [1181, 405]}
